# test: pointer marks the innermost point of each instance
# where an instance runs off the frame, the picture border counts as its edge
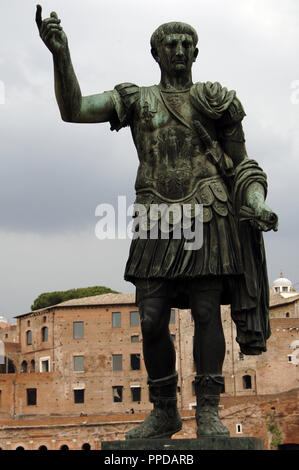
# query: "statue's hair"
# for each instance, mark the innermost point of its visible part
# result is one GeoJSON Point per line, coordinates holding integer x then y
{"type": "Point", "coordinates": [173, 27]}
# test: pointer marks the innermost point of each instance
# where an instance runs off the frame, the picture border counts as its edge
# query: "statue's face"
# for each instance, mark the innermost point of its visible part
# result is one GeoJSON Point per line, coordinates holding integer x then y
{"type": "Point", "coordinates": [176, 53]}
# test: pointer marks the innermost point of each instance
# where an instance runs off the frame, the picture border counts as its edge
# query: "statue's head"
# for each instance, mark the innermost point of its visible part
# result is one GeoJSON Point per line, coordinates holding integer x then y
{"type": "Point", "coordinates": [174, 45]}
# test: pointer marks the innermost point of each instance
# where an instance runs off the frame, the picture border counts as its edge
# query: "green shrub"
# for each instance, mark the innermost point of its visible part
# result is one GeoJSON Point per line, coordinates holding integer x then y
{"type": "Point", "coordinates": [52, 298]}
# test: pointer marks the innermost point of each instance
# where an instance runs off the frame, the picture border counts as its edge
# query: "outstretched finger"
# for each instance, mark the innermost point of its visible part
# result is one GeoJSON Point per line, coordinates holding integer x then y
{"type": "Point", "coordinates": [38, 16]}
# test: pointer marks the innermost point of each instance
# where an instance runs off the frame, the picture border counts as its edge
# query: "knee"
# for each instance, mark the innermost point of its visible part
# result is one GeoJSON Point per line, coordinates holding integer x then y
{"type": "Point", "coordinates": [202, 318]}
{"type": "Point", "coordinates": [151, 322]}
{"type": "Point", "coordinates": [148, 328]}
{"type": "Point", "coordinates": [203, 314]}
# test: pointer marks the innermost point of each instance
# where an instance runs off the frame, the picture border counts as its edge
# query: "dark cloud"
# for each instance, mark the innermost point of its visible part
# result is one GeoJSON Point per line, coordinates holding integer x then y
{"type": "Point", "coordinates": [53, 174]}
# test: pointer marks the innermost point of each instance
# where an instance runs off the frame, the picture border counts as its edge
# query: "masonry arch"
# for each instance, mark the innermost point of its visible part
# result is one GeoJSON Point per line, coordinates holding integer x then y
{"type": "Point", "coordinates": [64, 447]}
{"type": "Point", "coordinates": [86, 446]}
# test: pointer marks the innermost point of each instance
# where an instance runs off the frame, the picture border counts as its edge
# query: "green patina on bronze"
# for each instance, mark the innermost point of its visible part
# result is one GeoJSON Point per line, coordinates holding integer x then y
{"type": "Point", "coordinates": [191, 150]}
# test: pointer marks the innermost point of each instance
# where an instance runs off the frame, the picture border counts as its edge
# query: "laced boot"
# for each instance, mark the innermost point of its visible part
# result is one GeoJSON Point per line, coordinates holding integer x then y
{"type": "Point", "coordinates": [207, 390]}
{"type": "Point", "coordinates": [164, 420]}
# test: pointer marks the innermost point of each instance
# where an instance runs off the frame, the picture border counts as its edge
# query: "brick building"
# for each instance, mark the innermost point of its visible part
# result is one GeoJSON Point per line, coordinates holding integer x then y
{"type": "Point", "coordinates": [74, 375]}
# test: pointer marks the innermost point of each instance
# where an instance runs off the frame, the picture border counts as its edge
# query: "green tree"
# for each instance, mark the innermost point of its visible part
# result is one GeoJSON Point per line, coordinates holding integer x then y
{"type": "Point", "coordinates": [52, 298]}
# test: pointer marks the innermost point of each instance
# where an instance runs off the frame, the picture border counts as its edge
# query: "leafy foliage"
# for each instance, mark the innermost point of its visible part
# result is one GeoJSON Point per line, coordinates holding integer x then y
{"type": "Point", "coordinates": [52, 298]}
{"type": "Point", "coordinates": [275, 432]}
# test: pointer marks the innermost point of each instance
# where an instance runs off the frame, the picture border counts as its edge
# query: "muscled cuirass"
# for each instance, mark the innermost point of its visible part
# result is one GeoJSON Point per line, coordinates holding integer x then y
{"type": "Point", "coordinates": [172, 155]}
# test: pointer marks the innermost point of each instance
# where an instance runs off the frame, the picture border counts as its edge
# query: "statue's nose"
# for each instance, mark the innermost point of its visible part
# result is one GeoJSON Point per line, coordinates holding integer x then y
{"type": "Point", "coordinates": [179, 49]}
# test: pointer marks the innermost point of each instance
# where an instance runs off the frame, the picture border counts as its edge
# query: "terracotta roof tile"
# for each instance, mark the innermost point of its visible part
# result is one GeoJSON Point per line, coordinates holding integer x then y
{"type": "Point", "coordinates": [277, 299]}
{"type": "Point", "coordinates": [103, 299]}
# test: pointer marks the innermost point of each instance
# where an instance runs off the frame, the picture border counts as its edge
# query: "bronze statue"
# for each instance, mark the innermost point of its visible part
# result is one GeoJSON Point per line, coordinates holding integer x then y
{"type": "Point", "coordinates": [191, 149]}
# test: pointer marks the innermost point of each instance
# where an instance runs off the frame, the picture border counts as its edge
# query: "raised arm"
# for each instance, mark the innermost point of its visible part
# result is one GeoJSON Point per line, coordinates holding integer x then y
{"type": "Point", "coordinates": [73, 106]}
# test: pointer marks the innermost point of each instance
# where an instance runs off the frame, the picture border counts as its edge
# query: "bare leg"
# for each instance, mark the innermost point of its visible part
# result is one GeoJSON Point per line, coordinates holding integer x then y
{"type": "Point", "coordinates": [209, 342]}
{"type": "Point", "coordinates": [209, 352]}
{"type": "Point", "coordinates": [158, 348]}
{"type": "Point", "coordinates": [159, 358]}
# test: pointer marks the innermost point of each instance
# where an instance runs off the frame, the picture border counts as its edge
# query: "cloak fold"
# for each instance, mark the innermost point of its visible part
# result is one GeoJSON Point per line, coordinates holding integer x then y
{"type": "Point", "coordinates": [250, 296]}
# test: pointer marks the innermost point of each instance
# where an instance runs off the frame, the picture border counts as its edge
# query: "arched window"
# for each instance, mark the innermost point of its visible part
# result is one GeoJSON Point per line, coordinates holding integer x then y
{"type": "Point", "coordinates": [24, 366]}
{"type": "Point", "coordinates": [29, 337]}
{"type": "Point", "coordinates": [64, 447]}
{"type": "Point", "coordinates": [247, 384]}
{"type": "Point", "coordinates": [20, 448]}
{"type": "Point", "coordinates": [32, 366]}
{"type": "Point", "coordinates": [86, 446]}
{"type": "Point", "coordinates": [42, 448]}
{"type": "Point", "coordinates": [44, 334]}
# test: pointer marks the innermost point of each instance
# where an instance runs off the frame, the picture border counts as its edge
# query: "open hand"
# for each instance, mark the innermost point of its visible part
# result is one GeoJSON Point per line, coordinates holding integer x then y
{"type": "Point", "coordinates": [51, 32]}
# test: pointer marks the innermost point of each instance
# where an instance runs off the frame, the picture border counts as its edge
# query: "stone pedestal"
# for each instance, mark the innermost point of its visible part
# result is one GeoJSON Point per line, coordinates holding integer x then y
{"type": "Point", "coordinates": [205, 443]}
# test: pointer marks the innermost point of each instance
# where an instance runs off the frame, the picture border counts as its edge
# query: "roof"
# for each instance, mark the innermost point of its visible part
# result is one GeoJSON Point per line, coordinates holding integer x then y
{"type": "Point", "coordinates": [103, 299]}
{"type": "Point", "coordinates": [94, 300]}
{"type": "Point", "coordinates": [278, 299]}
{"type": "Point", "coordinates": [129, 299]}
{"type": "Point", "coordinates": [282, 281]}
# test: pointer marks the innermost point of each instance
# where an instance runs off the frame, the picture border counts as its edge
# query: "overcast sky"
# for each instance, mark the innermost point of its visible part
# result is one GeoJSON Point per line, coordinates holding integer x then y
{"type": "Point", "coordinates": [53, 174]}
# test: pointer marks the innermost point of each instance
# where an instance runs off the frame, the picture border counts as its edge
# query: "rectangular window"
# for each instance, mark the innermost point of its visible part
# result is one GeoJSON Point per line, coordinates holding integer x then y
{"type": "Point", "coordinates": [172, 316]}
{"type": "Point", "coordinates": [78, 363]}
{"type": "Point", "coordinates": [78, 329]}
{"type": "Point", "coordinates": [117, 362]}
{"type": "Point", "coordinates": [31, 396]}
{"type": "Point", "coordinates": [79, 396]}
{"type": "Point", "coordinates": [134, 318]}
{"type": "Point", "coordinates": [136, 393]}
{"type": "Point", "coordinates": [247, 382]}
{"type": "Point", "coordinates": [117, 393]}
{"type": "Point", "coordinates": [135, 339]}
{"type": "Point", "coordinates": [45, 334]}
{"type": "Point", "coordinates": [239, 428]}
{"type": "Point", "coordinates": [45, 366]}
{"type": "Point", "coordinates": [29, 337]}
{"type": "Point", "coordinates": [135, 361]}
{"type": "Point", "coordinates": [116, 319]}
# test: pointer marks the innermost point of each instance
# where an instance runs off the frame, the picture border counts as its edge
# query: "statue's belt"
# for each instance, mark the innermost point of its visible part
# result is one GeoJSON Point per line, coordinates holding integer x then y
{"type": "Point", "coordinates": [211, 193]}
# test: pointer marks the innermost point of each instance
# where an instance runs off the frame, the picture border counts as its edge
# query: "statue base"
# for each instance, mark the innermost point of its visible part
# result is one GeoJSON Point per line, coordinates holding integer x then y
{"type": "Point", "coordinates": [204, 443]}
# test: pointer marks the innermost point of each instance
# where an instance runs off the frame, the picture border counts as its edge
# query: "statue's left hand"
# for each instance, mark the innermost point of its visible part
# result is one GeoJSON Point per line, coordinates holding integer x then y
{"type": "Point", "coordinates": [264, 218]}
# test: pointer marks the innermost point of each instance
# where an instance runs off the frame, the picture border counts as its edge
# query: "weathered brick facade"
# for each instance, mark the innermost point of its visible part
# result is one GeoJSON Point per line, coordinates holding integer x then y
{"type": "Point", "coordinates": [80, 378]}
